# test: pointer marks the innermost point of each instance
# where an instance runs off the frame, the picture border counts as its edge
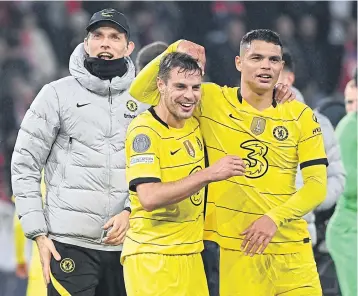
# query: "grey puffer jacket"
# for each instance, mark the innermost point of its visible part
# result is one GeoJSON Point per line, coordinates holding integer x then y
{"type": "Point", "coordinates": [335, 170]}
{"type": "Point", "coordinates": [75, 129]}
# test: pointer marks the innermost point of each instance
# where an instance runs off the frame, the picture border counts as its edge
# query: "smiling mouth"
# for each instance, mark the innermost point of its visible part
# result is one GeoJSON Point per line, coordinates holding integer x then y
{"type": "Point", "coordinates": [105, 56]}
{"type": "Point", "coordinates": [264, 76]}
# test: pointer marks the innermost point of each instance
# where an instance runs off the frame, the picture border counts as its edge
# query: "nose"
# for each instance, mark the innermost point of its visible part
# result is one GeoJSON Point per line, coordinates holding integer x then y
{"type": "Point", "coordinates": [265, 64]}
{"type": "Point", "coordinates": [189, 94]}
{"type": "Point", "coordinates": [105, 43]}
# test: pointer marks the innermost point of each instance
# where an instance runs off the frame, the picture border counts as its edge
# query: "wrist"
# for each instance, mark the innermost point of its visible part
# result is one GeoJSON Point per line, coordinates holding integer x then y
{"type": "Point", "coordinates": [206, 175]}
{"type": "Point", "coordinates": [127, 209]}
{"type": "Point", "coordinates": [40, 238]}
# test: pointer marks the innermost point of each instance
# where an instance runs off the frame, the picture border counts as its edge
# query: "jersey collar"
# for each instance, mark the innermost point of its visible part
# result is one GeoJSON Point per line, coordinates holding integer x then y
{"type": "Point", "coordinates": [151, 110]}
{"type": "Point", "coordinates": [274, 103]}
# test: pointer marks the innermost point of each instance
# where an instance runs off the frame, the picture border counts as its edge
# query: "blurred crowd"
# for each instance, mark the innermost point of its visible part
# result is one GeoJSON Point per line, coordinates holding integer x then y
{"type": "Point", "coordinates": [37, 38]}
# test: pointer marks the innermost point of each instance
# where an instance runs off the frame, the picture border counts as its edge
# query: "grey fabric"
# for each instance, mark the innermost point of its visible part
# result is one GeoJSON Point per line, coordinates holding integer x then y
{"type": "Point", "coordinates": [77, 135]}
{"type": "Point", "coordinates": [335, 170]}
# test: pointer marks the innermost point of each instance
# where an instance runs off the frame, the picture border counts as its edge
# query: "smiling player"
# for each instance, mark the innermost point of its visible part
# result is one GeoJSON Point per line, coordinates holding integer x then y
{"type": "Point", "coordinates": [166, 175]}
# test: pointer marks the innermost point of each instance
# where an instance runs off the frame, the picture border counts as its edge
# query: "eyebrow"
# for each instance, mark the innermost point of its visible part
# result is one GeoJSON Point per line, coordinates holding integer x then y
{"type": "Point", "coordinates": [260, 55]}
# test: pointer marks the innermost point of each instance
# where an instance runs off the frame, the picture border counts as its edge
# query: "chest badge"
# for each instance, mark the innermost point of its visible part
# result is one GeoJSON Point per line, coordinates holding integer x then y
{"type": "Point", "coordinates": [258, 125]}
{"type": "Point", "coordinates": [189, 148]}
{"type": "Point", "coordinates": [132, 106]}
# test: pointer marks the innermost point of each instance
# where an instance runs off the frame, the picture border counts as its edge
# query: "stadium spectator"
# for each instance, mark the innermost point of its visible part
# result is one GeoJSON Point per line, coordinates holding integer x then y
{"type": "Point", "coordinates": [342, 227]}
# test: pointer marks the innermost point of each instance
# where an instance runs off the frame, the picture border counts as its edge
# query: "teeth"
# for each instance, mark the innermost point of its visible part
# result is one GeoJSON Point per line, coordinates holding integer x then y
{"type": "Point", "coordinates": [186, 105]}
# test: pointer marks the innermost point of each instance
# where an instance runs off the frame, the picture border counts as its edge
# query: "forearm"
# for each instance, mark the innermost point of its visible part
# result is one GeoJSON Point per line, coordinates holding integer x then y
{"type": "Point", "coordinates": [335, 187]}
{"type": "Point", "coordinates": [306, 199]}
{"type": "Point", "coordinates": [156, 195]}
{"type": "Point", "coordinates": [144, 87]}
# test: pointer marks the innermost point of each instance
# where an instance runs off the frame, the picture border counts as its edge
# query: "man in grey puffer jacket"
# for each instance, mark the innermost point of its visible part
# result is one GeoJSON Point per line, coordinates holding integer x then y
{"type": "Point", "coordinates": [75, 130]}
{"type": "Point", "coordinates": [335, 170]}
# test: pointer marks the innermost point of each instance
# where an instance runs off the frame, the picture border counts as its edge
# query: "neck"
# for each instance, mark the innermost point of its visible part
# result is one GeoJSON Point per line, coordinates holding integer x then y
{"type": "Point", "coordinates": [259, 101]}
{"type": "Point", "coordinates": [165, 115]}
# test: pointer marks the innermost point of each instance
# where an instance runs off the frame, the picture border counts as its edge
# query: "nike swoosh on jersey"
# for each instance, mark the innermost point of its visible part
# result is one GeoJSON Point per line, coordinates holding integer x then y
{"type": "Point", "coordinates": [81, 105]}
{"type": "Point", "coordinates": [173, 152]}
{"type": "Point", "coordinates": [233, 117]}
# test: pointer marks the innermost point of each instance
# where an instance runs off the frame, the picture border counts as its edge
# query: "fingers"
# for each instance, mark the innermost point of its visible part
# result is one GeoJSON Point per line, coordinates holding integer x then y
{"type": "Point", "coordinates": [45, 260]}
{"type": "Point", "coordinates": [251, 243]}
{"type": "Point", "coordinates": [256, 245]}
{"type": "Point", "coordinates": [54, 252]}
{"type": "Point", "coordinates": [118, 240]}
{"type": "Point", "coordinates": [195, 50]}
{"type": "Point", "coordinates": [265, 244]}
{"type": "Point", "coordinates": [280, 92]}
{"type": "Point", "coordinates": [109, 223]}
{"type": "Point", "coordinates": [292, 97]}
{"type": "Point", "coordinates": [247, 238]}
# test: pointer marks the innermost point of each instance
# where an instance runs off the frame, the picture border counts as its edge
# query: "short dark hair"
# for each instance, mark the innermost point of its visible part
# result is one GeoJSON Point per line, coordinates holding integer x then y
{"type": "Point", "coordinates": [183, 61]}
{"type": "Point", "coordinates": [148, 53]}
{"type": "Point", "coordinates": [289, 63]}
{"type": "Point", "coordinates": [262, 35]}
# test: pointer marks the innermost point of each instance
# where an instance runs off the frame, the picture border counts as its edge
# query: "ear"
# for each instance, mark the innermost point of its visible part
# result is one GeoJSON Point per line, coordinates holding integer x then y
{"type": "Point", "coordinates": [130, 48]}
{"type": "Point", "coordinates": [161, 85]}
{"type": "Point", "coordinates": [238, 63]}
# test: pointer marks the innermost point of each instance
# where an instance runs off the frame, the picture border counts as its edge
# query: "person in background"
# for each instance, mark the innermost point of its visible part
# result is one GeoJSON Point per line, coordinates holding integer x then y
{"type": "Point", "coordinates": [148, 53]}
{"type": "Point", "coordinates": [341, 234]}
{"type": "Point", "coordinates": [335, 170]}
{"type": "Point", "coordinates": [350, 95]}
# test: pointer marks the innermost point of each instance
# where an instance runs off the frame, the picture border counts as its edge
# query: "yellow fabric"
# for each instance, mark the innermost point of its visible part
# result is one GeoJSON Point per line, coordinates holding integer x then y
{"type": "Point", "coordinates": [59, 288]}
{"type": "Point", "coordinates": [273, 143]}
{"type": "Point", "coordinates": [20, 241]}
{"type": "Point", "coordinates": [36, 285]}
{"type": "Point", "coordinates": [268, 275]}
{"type": "Point", "coordinates": [147, 79]}
{"type": "Point", "coordinates": [163, 275]}
{"type": "Point", "coordinates": [178, 228]}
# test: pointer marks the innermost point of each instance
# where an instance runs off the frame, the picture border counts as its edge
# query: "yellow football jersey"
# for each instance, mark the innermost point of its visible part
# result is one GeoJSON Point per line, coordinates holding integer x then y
{"type": "Point", "coordinates": [156, 152]}
{"type": "Point", "coordinates": [272, 143]}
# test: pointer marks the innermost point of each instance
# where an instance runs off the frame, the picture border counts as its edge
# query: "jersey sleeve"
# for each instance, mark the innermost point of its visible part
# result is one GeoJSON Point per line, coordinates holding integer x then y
{"type": "Point", "coordinates": [142, 157]}
{"type": "Point", "coordinates": [310, 146]}
{"type": "Point", "coordinates": [144, 86]}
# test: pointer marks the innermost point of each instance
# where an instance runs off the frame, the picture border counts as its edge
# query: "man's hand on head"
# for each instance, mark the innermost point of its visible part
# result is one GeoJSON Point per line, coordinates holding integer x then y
{"type": "Point", "coordinates": [195, 50]}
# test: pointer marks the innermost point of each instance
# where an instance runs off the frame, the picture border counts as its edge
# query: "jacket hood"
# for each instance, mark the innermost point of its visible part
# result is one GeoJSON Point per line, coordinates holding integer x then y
{"type": "Point", "coordinates": [93, 83]}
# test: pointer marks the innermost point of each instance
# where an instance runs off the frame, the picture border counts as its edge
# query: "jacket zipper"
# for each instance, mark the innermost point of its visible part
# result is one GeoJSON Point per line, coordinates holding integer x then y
{"type": "Point", "coordinates": [109, 147]}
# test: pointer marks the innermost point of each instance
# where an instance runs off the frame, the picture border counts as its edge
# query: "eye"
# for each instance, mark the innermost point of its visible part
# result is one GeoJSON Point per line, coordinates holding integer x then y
{"type": "Point", "coordinates": [275, 60]}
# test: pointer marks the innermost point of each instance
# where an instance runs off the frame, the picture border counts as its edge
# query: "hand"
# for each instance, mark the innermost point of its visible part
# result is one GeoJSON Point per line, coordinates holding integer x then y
{"type": "Point", "coordinates": [195, 50]}
{"type": "Point", "coordinates": [227, 167]}
{"type": "Point", "coordinates": [259, 234]}
{"type": "Point", "coordinates": [21, 271]}
{"type": "Point", "coordinates": [120, 225]}
{"type": "Point", "coordinates": [46, 249]}
{"type": "Point", "coordinates": [283, 93]}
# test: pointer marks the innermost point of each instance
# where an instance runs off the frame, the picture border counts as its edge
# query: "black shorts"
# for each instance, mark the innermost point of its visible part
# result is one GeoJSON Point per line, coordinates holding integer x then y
{"type": "Point", "coordinates": [86, 272]}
